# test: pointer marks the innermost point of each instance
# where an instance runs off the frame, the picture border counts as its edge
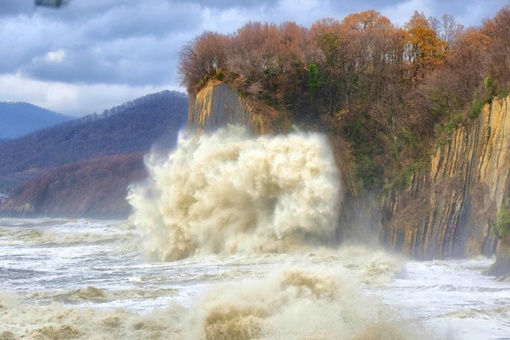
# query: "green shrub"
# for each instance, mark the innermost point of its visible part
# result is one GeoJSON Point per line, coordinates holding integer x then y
{"type": "Point", "coordinates": [220, 75]}
{"type": "Point", "coordinates": [403, 179]}
{"type": "Point", "coordinates": [365, 172]}
{"type": "Point", "coordinates": [450, 126]}
{"type": "Point", "coordinates": [505, 92]}
{"type": "Point", "coordinates": [313, 79]}
{"type": "Point", "coordinates": [476, 109]}
{"type": "Point", "coordinates": [409, 138]}
{"type": "Point", "coordinates": [502, 227]}
{"type": "Point", "coordinates": [487, 83]}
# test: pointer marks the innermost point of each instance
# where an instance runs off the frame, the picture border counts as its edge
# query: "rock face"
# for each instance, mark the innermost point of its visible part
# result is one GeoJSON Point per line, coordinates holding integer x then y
{"type": "Point", "coordinates": [217, 105]}
{"type": "Point", "coordinates": [447, 211]}
{"type": "Point", "coordinates": [450, 210]}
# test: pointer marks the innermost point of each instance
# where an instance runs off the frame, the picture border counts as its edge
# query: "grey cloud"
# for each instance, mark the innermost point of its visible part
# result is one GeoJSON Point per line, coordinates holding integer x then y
{"type": "Point", "coordinates": [15, 7]}
{"type": "Point", "coordinates": [82, 9]}
{"type": "Point", "coordinates": [462, 10]}
{"type": "Point", "coordinates": [225, 4]}
{"type": "Point", "coordinates": [133, 61]}
{"type": "Point", "coordinates": [138, 41]}
{"type": "Point", "coordinates": [21, 38]}
{"type": "Point", "coordinates": [144, 19]}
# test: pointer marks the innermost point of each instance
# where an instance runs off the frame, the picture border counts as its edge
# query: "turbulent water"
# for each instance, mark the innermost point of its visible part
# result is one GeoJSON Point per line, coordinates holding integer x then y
{"type": "Point", "coordinates": [229, 193]}
{"type": "Point", "coordinates": [230, 239]}
{"type": "Point", "coordinates": [64, 279]}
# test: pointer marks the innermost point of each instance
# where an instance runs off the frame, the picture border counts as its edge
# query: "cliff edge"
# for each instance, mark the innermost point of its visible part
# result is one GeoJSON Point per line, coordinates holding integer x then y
{"type": "Point", "coordinates": [450, 210]}
{"type": "Point", "coordinates": [217, 105]}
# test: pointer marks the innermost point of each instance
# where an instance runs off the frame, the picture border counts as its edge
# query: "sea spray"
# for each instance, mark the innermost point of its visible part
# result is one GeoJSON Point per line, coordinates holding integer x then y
{"type": "Point", "coordinates": [104, 291]}
{"type": "Point", "coordinates": [294, 303]}
{"type": "Point", "coordinates": [229, 192]}
{"type": "Point", "coordinates": [314, 298]}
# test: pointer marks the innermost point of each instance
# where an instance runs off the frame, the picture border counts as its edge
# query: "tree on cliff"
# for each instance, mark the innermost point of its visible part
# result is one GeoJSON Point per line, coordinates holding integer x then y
{"type": "Point", "coordinates": [384, 91]}
{"type": "Point", "coordinates": [202, 58]}
{"type": "Point", "coordinates": [424, 50]}
{"type": "Point", "coordinates": [499, 52]}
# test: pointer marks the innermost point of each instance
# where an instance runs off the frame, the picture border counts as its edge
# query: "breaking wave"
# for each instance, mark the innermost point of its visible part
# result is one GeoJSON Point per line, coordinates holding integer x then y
{"type": "Point", "coordinates": [295, 302]}
{"type": "Point", "coordinates": [228, 192]}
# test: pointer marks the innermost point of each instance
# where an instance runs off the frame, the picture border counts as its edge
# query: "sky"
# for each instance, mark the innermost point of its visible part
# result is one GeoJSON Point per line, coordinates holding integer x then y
{"type": "Point", "coordinates": [91, 55]}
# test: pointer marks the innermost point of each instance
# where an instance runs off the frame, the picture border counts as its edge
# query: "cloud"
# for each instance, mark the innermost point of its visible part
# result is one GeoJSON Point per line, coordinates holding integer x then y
{"type": "Point", "coordinates": [133, 61]}
{"type": "Point", "coordinates": [22, 38]}
{"type": "Point", "coordinates": [228, 4]}
{"type": "Point", "coordinates": [12, 8]}
{"type": "Point", "coordinates": [144, 18]}
{"type": "Point", "coordinates": [129, 44]}
{"type": "Point", "coordinates": [403, 11]}
{"type": "Point", "coordinates": [72, 99]}
{"type": "Point", "coordinates": [56, 56]}
{"type": "Point", "coordinates": [472, 13]}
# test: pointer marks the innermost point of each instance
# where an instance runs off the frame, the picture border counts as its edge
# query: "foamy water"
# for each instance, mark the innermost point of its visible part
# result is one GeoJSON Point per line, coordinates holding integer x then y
{"type": "Point", "coordinates": [232, 193]}
{"type": "Point", "coordinates": [245, 225]}
{"type": "Point", "coordinates": [88, 279]}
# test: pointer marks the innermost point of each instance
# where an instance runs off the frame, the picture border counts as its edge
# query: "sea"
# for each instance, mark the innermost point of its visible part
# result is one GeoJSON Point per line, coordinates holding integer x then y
{"type": "Point", "coordinates": [88, 279]}
{"type": "Point", "coordinates": [231, 237]}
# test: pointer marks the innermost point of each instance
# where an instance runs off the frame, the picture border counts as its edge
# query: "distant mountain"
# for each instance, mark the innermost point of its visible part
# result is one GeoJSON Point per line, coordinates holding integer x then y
{"type": "Point", "coordinates": [131, 127]}
{"type": "Point", "coordinates": [82, 167]}
{"type": "Point", "coordinates": [19, 119]}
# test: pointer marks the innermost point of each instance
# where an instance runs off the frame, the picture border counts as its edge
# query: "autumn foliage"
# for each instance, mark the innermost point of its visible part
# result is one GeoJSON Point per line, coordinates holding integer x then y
{"type": "Point", "coordinates": [82, 168]}
{"type": "Point", "coordinates": [92, 188]}
{"type": "Point", "coordinates": [382, 92]}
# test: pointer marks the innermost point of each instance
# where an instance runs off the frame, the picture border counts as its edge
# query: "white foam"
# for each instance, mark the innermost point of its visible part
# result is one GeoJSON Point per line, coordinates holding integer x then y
{"type": "Point", "coordinates": [231, 193]}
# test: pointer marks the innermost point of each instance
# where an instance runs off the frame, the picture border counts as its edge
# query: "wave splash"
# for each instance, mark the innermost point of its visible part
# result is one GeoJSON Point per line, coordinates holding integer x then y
{"type": "Point", "coordinates": [295, 303]}
{"type": "Point", "coordinates": [228, 192]}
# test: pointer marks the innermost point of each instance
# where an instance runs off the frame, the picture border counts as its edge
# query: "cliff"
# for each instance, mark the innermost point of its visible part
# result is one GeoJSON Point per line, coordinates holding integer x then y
{"type": "Point", "coordinates": [217, 105]}
{"type": "Point", "coordinates": [447, 211]}
{"type": "Point", "coordinates": [450, 210]}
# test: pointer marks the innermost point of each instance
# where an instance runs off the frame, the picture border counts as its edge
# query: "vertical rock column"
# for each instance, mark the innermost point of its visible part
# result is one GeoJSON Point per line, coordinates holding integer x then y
{"type": "Point", "coordinates": [217, 105]}
{"type": "Point", "coordinates": [449, 211]}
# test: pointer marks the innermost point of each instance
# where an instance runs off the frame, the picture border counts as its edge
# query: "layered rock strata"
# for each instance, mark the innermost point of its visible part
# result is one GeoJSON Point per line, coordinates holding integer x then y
{"type": "Point", "coordinates": [217, 105]}
{"type": "Point", "coordinates": [450, 210]}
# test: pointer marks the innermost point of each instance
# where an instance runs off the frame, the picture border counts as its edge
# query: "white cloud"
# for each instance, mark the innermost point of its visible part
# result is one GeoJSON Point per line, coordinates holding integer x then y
{"type": "Point", "coordinates": [303, 12]}
{"type": "Point", "coordinates": [300, 8]}
{"type": "Point", "coordinates": [94, 54]}
{"type": "Point", "coordinates": [400, 13]}
{"type": "Point", "coordinates": [72, 99]}
{"type": "Point", "coordinates": [56, 56]}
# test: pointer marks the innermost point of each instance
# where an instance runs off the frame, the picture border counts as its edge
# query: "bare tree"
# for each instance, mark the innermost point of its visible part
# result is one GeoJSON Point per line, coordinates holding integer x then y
{"type": "Point", "coordinates": [201, 58]}
{"type": "Point", "coordinates": [446, 28]}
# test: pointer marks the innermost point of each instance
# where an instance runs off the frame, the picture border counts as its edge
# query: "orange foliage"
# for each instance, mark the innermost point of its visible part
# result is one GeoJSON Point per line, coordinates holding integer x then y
{"type": "Point", "coordinates": [383, 88]}
{"type": "Point", "coordinates": [425, 50]}
{"type": "Point", "coordinates": [367, 21]}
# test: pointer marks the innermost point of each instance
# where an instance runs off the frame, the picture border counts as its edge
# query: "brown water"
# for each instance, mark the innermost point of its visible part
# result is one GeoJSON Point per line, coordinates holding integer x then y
{"type": "Point", "coordinates": [228, 193]}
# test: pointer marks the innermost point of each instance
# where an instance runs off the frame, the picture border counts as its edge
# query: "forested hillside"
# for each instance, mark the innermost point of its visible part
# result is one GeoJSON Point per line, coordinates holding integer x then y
{"type": "Point", "coordinates": [92, 188]}
{"type": "Point", "coordinates": [129, 128]}
{"type": "Point", "coordinates": [19, 119]}
{"type": "Point", "coordinates": [82, 168]}
{"type": "Point", "coordinates": [383, 93]}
